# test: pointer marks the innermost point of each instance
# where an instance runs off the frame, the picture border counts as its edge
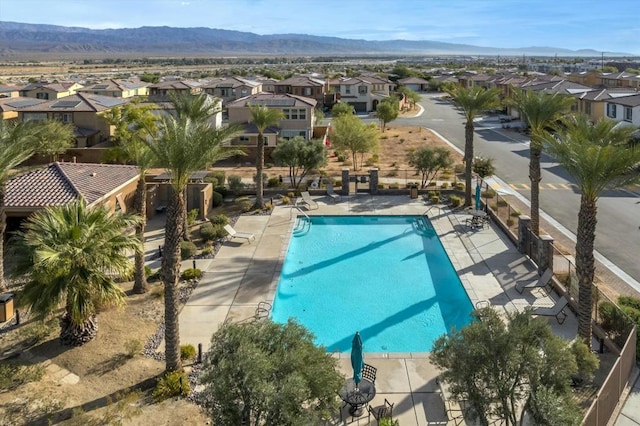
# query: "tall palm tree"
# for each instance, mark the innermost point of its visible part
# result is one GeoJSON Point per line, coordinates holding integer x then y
{"type": "Point", "coordinates": [262, 117]}
{"type": "Point", "coordinates": [133, 125]}
{"type": "Point", "coordinates": [199, 109]}
{"type": "Point", "coordinates": [599, 156]}
{"type": "Point", "coordinates": [472, 101]}
{"type": "Point", "coordinates": [18, 142]}
{"type": "Point", "coordinates": [541, 111]}
{"type": "Point", "coordinates": [183, 147]}
{"type": "Point", "coordinates": [71, 255]}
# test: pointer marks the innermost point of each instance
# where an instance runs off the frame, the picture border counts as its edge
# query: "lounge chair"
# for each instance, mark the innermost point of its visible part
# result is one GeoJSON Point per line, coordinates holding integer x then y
{"type": "Point", "coordinates": [242, 235]}
{"type": "Point", "coordinates": [308, 201]}
{"type": "Point", "coordinates": [556, 310]}
{"type": "Point", "coordinates": [542, 281]}
{"type": "Point", "coordinates": [334, 196]}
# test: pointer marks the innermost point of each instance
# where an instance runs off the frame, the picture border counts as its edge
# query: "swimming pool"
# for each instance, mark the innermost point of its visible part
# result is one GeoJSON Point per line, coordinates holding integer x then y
{"type": "Point", "coordinates": [385, 276]}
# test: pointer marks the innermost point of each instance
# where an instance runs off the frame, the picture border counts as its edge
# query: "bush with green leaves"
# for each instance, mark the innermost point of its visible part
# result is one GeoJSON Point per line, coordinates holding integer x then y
{"type": "Point", "coordinates": [188, 249]}
{"type": "Point", "coordinates": [132, 347]}
{"type": "Point", "coordinates": [13, 375]}
{"type": "Point", "coordinates": [219, 219]}
{"type": "Point", "coordinates": [285, 199]}
{"type": "Point", "coordinates": [191, 274]}
{"type": "Point", "coordinates": [235, 184]}
{"type": "Point", "coordinates": [273, 182]}
{"type": "Point", "coordinates": [280, 362]}
{"type": "Point", "coordinates": [455, 201]}
{"type": "Point", "coordinates": [244, 203]}
{"type": "Point", "coordinates": [483, 166]}
{"type": "Point", "coordinates": [192, 216]}
{"type": "Point", "coordinates": [217, 199]}
{"type": "Point", "coordinates": [208, 232]}
{"type": "Point", "coordinates": [187, 352]}
{"type": "Point", "coordinates": [172, 384]}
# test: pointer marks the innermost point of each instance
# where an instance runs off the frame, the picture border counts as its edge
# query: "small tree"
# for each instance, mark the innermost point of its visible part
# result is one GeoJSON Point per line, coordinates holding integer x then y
{"type": "Point", "coordinates": [387, 111]}
{"type": "Point", "coordinates": [341, 108]}
{"type": "Point", "coordinates": [483, 166]}
{"type": "Point", "coordinates": [412, 97]}
{"type": "Point", "coordinates": [351, 134]}
{"type": "Point", "coordinates": [429, 161]}
{"type": "Point", "coordinates": [54, 138]}
{"type": "Point", "coordinates": [267, 373]}
{"type": "Point", "coordinates": [300, 156]}
{"type": "Point", "coordinates": [505, 369]}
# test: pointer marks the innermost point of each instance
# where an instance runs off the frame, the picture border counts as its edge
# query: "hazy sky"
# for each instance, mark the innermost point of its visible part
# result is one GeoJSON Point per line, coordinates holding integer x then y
{"type": "Point", "coordinates": [572, 24]}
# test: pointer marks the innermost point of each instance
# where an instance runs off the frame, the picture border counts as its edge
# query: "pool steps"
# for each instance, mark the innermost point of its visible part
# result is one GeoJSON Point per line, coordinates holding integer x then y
{"type": "Point", "coordinates": [302, 227]}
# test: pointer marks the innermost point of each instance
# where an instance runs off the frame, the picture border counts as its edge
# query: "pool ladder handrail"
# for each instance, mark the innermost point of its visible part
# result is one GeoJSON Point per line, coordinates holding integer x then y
{"type": "Point", "coordinates": [429, 209]}
{"type": "Point", "coordinates": [300, 210]}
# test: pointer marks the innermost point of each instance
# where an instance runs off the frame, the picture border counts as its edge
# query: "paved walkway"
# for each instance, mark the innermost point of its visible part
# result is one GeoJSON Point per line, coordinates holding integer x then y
{"type": "Point", "coordinates": [244, 274]}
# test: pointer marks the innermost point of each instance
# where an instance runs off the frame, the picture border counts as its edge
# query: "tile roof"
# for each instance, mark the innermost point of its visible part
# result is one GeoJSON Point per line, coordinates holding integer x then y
{"type": "Point", "coordinates": [80, 102]}
{"type": "Point", "coordinates": [61, 183]}
{"type": "Point", "coordinates": [300, 81]}
{"type": "Point", "coordinates": [413, 80]}
{"type": "Point", "coordinates": [18, 102]}
{"type": "Point", "coordinates": [285, 100]}
{"type": "Point", "coordinates": [111, 85]}
{"type": "Point", "coordinates": [630, 101]}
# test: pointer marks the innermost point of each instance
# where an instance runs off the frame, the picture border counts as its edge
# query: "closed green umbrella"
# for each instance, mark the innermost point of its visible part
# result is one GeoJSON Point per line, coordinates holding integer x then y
{"type": "Point", "coordinates": [478, 193]}
{"type": "Point", "coordinates": [357, 358]}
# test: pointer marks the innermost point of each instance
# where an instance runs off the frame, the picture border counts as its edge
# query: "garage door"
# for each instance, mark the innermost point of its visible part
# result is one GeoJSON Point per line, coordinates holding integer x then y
{"type": "Point", "coordinates": [359, 106]}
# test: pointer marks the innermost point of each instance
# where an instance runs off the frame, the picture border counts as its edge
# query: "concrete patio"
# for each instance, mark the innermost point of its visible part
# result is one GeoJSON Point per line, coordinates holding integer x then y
{"type": "Point", "coordinates": [244, 274]}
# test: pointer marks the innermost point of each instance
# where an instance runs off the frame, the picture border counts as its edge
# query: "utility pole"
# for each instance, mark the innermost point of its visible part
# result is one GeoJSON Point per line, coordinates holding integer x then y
{"type": "Point", "coordinates": [602, 63]}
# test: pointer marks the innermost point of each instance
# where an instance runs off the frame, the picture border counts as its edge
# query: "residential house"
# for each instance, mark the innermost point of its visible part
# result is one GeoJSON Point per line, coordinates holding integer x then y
{"type": "Point", "coordinates": [83, 110]}
{"type": "Point", "coordinates": [9, 91]}
{"type": "Point", "coordinates": [57, 184]}
{"type": "Point", "coordinates": [593, 102]}
{"type": "Point", "coordinates": [625, 109]}
{"type": "Point", "coordinates": [161, 91]}
{"type": "Point", "coordinates": [309, 87]}
{"type": "Point", "coordinates": [416, 84]}
{"type": "Point", "coordinates": [167, 109]}
{"type": "Point", "coordinates": [117, 88]}
{"type": "Point", "coordinates": [363, 93]}
{"type": "Point", "coordinates": [298, 118]}
{"type": "Point", "coordinates": [230, 89]}
{"type": "Point", "coordinates": [620, 79]}
{"type": "Point", "coordinates": [9, 107]}
{"type": "Point", "coordinates": [268, 84]}
{"type": "Point", "coordinates": [588, 78]}
{"type": "Point", "coordinates": [50, 91]}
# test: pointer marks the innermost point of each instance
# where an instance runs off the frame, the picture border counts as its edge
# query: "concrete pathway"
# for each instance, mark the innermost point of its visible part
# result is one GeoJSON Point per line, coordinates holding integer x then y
{"type": "Point", "coordinates": [244, 274]}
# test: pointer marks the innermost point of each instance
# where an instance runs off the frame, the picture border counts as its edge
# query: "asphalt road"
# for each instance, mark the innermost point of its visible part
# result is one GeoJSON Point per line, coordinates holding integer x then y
{"type": "Point", "coordinates": [617, 232]}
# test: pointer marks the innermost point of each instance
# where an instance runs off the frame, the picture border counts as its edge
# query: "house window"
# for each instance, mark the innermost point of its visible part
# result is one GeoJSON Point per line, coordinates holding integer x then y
{"type": "Point", "coordinates": [42, 95]}
{"type": "Point", "coordinates": [347, 90]}
{"type": "Point", "coordinates": [628, 113]}
{"type": "Point", "coordinates": [587, 108]}
{"type": "Point", "coordinates": [244, 140]}
{"type": "Point", "coordinates": [64, 117]}
{"type": "Point", "coordinates": [243, 92]}
{"type": "Point", "coordinates": [362, 90]}
{"type": "Point", "coordinates": [294, 114]}
{"type": "Point", "coordinates": [307, 91]}
{"type": "Point", "coordinates": [266, 140]}
{"type": "Point", "coordinates": [34, 116]}
{"type": "Point", "coordinates": [611, 110]}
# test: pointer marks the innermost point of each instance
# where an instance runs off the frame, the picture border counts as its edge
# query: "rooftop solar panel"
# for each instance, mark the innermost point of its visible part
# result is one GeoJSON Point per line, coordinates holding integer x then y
{"type": "Point", "coordinates": [66, 104]}
{"type": "Point", "coordinates": [101, 86]}
{"type": "Point", "coordinates": [23, 103]}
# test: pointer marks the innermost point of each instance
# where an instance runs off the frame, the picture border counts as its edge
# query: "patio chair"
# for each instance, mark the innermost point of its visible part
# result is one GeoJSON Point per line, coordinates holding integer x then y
{"type": "Point", "coordinates": [556, 310]}
{"type": "Point", "coordinates": [308, 201]}
{"type": "Point", "coordinates": [369, 373]}
{"type": "Point", "coordinates": [242, 235]}
{"type": "Point", "coordinates": [542, 281]}
{"type": "Point", "coordinates": [381, 411]}
{"type": "Point", "coordinates": [334, 196]}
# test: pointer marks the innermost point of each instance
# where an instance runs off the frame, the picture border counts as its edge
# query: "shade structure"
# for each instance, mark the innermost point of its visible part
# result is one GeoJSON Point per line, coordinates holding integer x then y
{"type": "Point", "coordinates": [357, 358]}
{"type": "Point", "coordinates": [478, 193]}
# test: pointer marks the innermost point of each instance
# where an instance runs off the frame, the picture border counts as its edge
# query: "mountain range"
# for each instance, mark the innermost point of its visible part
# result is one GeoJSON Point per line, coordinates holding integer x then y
{"type": "Point", "coordinates": [20, 40]}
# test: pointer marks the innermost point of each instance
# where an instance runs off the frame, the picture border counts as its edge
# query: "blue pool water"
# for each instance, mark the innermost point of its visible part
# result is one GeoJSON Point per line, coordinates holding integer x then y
{"type": "Point", "coordinates": [385, 276]}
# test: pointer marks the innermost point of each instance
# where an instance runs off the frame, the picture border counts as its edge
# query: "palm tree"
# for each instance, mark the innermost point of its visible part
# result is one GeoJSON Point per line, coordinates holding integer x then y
{"type": "Point", "coordinates": [18, 142]}
{"type": "Point", "coordinates": [262, 117]}
{"type": "Point", "coordinates": [183, 147]}
{"type": "Point", "coordinates": [599, 156]}
{"type": "Point", "coordinates": [71, 254]}
{"type": "Point", "coordinates": [472, 101]}
{"type": "Point", "coordinates": [199, 109]}
{"type": "Point", "coordinates": [540, 111]}
{"type": "Point", "coordinates": [133, 125]}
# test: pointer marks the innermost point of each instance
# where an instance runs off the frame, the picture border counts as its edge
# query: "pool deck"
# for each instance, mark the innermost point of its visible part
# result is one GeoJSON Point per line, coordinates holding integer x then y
{"type": "Point", "coordinates": [244, 274]}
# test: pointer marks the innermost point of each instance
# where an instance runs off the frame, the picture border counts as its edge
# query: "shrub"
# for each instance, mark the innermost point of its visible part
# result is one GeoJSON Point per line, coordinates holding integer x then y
{"type": "Point", "coordinates": [37, 332]}
{"type": "Point", "coordinates": [444, 185]}
{"type": "Point", "coordinates": [460, 186]}
{"type": "Point", "coordinates": [235, 183]}
{"type": "Point", "coordinates": [219, 176]}
{"type": "Point", "coordinates": [291, 194]}
{"type": "Point", "coordinates": [370, 162]}
{"type": "Point", "coordinates": [458, 168]}
{"type": "Point", "coordinates": [401, 140]}
{"type": "Point", "coordinates": [171, 384]}
{"type": "Point", "coordinates": [132, 347]}
{"type": "Point", "coordinates": [489, 193]}
{"type": "Point", "coordinates": [218, 199]}
{"type": "Point", "coordinates": [381, 186]}
{"type": "Point", "coordinates": [286, 200]}
{"type": "Point", "coordinates": [192, 216]}
{"type": "Point", "coordinates": [383, 137]}
{"type": "Point", "coordinates": [268, 165]}
{"type": "Point", "coordinates": [455, 201]}
{"type": "Point", "coordinates": [510, 222]}
{"type": "Point", "coordinates": [13, 375]}
{"type": "Point", "coordinates": [191, 274]}
{"type": "Point", "coordinates": [612, 319]}
{"type": "Point", "coordinates": [245, 204]}
{"type": "Point", "coordinates": [394, 185]}
{"type": "Point", "coordinates": [516, 213]}
{"type": "Point", "coordinates": [273, 182]}
{"type": "Point", "coordinates": [337, 183]}
{"type": "Point", "coordinates": [147, 271]}
{"type": "Point", "coordinates": [392, 173]}
{"type": "Point", "coordinates": [187, 352]}
{"type": "Point", "coordinates": [341, 157]}
{"type": "Point", "coordinates": [208, 231]}
{"type": "Point", "coordinates": [154, 276]}
{"type": "Point", "coordinates": [434, 199]}
{"type": "Point", "coordinates": [187, 249]}
{"type": "Point", "coordinates": [207, 250]}
{"type": "Point", "coordinates": [219, 219]}
{"type": "Point", "coordinates": [629, 301]}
